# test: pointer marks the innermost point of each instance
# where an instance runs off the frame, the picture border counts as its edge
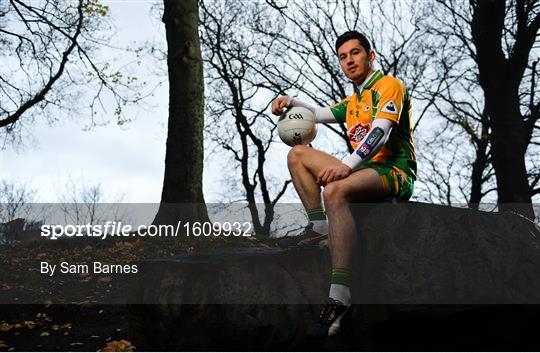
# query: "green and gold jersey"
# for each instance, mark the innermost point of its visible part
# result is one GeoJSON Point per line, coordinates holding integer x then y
{"type": "Point", "coordinates": [382, 97]}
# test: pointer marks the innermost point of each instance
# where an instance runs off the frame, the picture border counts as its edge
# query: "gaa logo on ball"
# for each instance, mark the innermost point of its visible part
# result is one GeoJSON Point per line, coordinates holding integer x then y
{"type": "Point", "coordinates": [297, 126]}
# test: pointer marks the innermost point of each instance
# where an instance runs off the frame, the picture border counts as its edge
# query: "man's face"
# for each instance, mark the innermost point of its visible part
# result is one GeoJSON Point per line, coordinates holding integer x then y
{"type": "Point", "coordinates": [354, 61]}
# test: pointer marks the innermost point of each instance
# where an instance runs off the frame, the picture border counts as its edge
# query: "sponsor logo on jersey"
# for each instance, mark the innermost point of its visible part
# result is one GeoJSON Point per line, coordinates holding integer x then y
{"type": "Point", "coordinates": [375, 136]}
{"type": "Point", "coordinates": [358, 131]}
{"type": "Point", "coordinates": [364, 150]}
{"type": "Point", "coordinates": [366, 108]}
{"type": "Point", "coordinates": [390, 108]}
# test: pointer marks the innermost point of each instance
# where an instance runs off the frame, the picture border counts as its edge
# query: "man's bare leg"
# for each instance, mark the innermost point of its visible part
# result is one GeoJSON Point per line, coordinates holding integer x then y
{"type": "Point", "coordinates": [361, 186]}
{"type": "Point", "coordinates": [305, 164]}
{"type": "Point", "coordinates": [364, 185]}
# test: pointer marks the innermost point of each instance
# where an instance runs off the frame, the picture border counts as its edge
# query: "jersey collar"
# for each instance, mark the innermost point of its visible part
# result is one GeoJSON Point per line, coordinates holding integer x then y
{"type": "Point", "coordinates": [369, 82]}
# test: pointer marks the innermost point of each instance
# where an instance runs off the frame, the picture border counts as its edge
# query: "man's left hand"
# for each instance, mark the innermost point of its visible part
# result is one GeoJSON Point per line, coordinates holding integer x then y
{"type": "Point", "coordinates": [333, 173]}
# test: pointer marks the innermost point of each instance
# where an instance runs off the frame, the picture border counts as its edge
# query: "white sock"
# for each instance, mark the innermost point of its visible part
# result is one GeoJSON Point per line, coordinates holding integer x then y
{"type": "Point", "coordinates": [341, 293]}
{"type": "Point", "coordinates": [320, 226]}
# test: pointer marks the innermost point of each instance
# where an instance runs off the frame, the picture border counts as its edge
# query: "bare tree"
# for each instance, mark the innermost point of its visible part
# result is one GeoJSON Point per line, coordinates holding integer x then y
{"type": "Point", "coordinates": [490, 44]}
{"type": "Point", "coordinates": [81, 203]}
{"type": "Point", "coordinates": [182, 196]}
{"type": "Point", "coordinates": [451, 84]}
{"type": "Point", "coordinates": [238, 122]}
{"type": "Point", "coordinates": [50, 66]}
{"type": "Point", "coordinates": [529, 97]}
{"type": "Point", "coordinates": [15, 203]}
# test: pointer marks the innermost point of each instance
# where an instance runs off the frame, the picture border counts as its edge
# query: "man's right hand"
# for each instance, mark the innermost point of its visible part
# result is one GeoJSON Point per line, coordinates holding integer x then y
{"type": "Point", "coordinates": [280, 104]}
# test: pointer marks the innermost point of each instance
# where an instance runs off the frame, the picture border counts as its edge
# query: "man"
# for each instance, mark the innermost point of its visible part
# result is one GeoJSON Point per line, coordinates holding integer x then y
{"type": "Point", "coordinates": [383, 164]}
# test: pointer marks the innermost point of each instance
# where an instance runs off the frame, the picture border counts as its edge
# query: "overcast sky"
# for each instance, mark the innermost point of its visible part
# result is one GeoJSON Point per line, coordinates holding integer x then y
{"type": "Point", "coordinates": [127, 160]}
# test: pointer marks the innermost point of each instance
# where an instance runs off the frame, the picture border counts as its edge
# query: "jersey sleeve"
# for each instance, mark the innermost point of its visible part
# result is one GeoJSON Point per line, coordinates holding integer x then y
{"type": "Point", "coordinates": [325, 115]}
{"type": "Point", "coordinates": [322, 115]}
{"type": "Point", "coordinates": [392, 95]}
{"type": "Point", "coordinates": [371, 144]}
{"type": "Point", "coordinates": [339, 110]}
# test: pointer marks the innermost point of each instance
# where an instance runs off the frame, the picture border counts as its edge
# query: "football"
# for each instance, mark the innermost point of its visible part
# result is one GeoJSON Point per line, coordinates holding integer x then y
{"type": "Point", "coordinates": [297, 126]}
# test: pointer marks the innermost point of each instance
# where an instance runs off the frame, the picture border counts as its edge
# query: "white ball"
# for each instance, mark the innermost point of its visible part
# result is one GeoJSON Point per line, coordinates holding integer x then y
{"type": "Point", "coordinates": [297, 126]}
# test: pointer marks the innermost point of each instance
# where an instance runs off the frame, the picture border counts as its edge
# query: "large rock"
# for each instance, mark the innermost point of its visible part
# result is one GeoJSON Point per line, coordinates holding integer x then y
{"type": "Point", "coordinates": [425, 254]}
{"type": "Point", "coordinates": [409, 256]}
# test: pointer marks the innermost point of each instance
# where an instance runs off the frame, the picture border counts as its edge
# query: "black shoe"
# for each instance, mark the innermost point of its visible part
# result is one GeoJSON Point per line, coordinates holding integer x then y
{"type": "Point", "coordinates": [307, 237]}
{"type": "Point", "coordinates": [330, 320]}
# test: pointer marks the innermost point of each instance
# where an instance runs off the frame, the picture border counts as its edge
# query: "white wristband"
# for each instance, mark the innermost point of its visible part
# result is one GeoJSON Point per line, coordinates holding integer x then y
{"type": "Point", "coordinates": [352, 161]}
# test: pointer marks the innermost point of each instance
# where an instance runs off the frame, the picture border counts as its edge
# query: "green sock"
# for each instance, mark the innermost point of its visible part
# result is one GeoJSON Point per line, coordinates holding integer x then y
{"type": "Point", "coordinates": [341, 276]}
{"type": "Point", "coordinates": [316, 214]}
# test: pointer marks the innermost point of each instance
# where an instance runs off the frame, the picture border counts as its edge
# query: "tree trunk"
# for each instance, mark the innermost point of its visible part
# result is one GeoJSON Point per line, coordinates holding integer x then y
{"type": "Point", "coordinates": [477, 175]}
{"type": "Point", "coordinates": [480, 164]}
{"type": "Point", "coordinates": [182, 184]}
{"type": "Point", "coordinates": [508, 156]}
{"type": "Point", "coordinates": [500, 78]}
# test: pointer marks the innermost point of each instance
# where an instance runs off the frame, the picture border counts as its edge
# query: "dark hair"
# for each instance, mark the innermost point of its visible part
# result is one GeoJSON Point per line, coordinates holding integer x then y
{"type": "Point", "coordinates": [364, 42]}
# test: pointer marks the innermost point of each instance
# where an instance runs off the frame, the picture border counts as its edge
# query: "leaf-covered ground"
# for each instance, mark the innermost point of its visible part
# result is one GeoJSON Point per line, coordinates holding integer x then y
{"type": "Point", "coordinates": [88, 326]}
{"type": "Point", "coordinates": [64, 328]}
{"type": "Point", "coordinates": [69, 314]}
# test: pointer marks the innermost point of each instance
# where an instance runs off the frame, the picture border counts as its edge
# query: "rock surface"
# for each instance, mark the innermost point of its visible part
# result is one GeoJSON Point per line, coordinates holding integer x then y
{"type": "Point", "coordinates": [425, 254]}
{"type": "Point", "coordinates": [409, 256]}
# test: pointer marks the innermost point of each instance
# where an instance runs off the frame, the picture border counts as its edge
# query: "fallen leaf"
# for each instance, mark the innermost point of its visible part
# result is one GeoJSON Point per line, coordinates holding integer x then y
{"type": "Point", "coordinates": [4, 327]}
{"type": "Point", "coordinates": [3, 344]}
{"type": "Point", "coordinates": [44, 334]}
{"type": "Point", "coordinates": [66, 326]}
{"type": "Point", "coordinates": [30, 324]}
{"type": "Point", "coordinates": [124, 245]}
{"type": "Point", "coordinates": [73, 344]}
{"type": "Point", "coordinates": [94, 336]}
{"type": "Point", "coordinates": [11, 349]}
{"type": "Point", "coordinates": [118, 346]}
{"type": "Point", "coordinates": [138, 244]}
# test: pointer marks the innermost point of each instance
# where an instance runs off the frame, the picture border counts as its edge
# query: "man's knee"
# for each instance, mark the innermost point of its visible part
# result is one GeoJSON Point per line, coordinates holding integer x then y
{"type": "Point", "coordinates": [334, 193]}
{"type": "Point", "coordinates": [294, 158]}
